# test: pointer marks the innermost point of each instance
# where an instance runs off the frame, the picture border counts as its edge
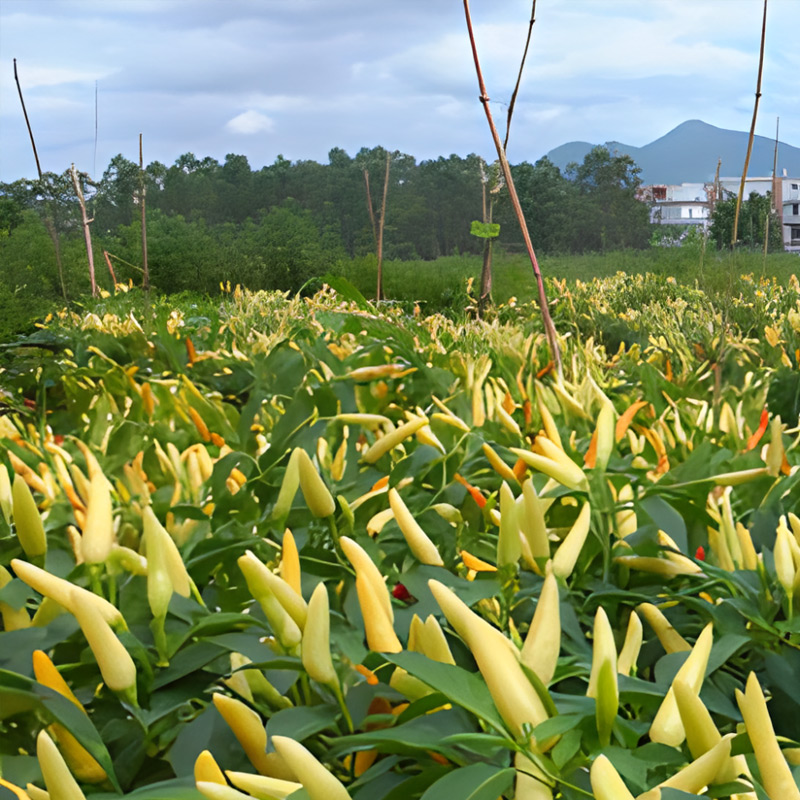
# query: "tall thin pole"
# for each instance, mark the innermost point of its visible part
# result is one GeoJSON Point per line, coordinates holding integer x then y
{"type": "Point", "coordinates": [547, 320]}
{"type": "Point", "coordinates": [379, 291]}
{"type": "Point", "coordinates": [752, 128]}
{"type": "Point", "coordinates": [142, 193]}
{"type": "Point", "coordinates": [48, 222]}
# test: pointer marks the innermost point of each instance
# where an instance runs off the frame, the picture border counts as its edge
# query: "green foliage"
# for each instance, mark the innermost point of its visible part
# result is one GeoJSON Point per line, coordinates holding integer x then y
{"type": "Point", "coordinates": [484, 230]}
{"type": "Point", "coordinates": [752, 222]}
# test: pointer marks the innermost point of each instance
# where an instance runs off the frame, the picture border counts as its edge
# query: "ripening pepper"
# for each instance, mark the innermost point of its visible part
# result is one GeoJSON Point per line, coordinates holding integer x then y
{"type": "Point", "coordinates": [702, 734]}
{"type": "Point", "coordinates": [283, 626]}
{"type": "Point", "coordinates": [289, 486]}
{"type": "Point", "coordinates": [206, 769]}
{"type": "Point", "coordinates": [694, 777]}
{"type": "Point", "coordinates": [543, 641]}
{"type": "Point", "coordinates": [81, 762]}
{"type": "Point", "coordinates": [775, 773]}
{"type": "Point", "coordinates": [6, 499]}
{"type": "Point", "coordinates": [35, 793]}
{"type": "Point", "coordinates": [498, 662]}
{"type": "Point", "coordinates": [290, 562]}
{"type": "Point", "coordinates": [65, 593]}
{"type": "Point", "coordinates": [421, 546]}
{"type": "Point", "coordinates": [316, 645]}
{"type": "Point", "coordinates": [220, 791]}
{"type": "Point", "coordinates": [606, 782]}
{"type": "Point", "coordinates": [27, 520]}
{"type": "Point", "coordinates": [59, 781]}
{"type": "Point", "coordinates": [115, 663]}
{"type": "Point", "coordinates": [531, 522]}
{"type": "Point", "coordinates": [498, 465]}
{"type": "Point", "coordinates": [566, 556]}
{"type": "Point", "coordinates": [531, 783]}
{"type": "Point", "coordinates": [670, 639]}
{"type": "Point", "coordinates": [390, 440]}
{"type": "Point", "coordinates": [319, 782]}
{"type": "Point", "coordinates": [14, 619]}
{"type": "Point", "coordinates": [365, 566]}
{"type": "Point", "coordinates": [98, 530]}
{"type": "Point", "coordinates": [262, 787]}
{"type": "Point", "coordinates": [631, 646]}
{"type": "Point", "coordinates": [667, 727]}
{"type": "Point", "coordinates": [571, 476]}
{"type": "Point", "coordinates": [292, 602]}
{"type": "Point", "coordinates": [378, 628]}
{"type": "Point", "coordinates": [603, 686]}
{"type": "Point", "coordinates": [316, 494]}
{"type": "Point", "coordinates": [509, 547]}
{"type": "Point", "coordinates": [167, 549]}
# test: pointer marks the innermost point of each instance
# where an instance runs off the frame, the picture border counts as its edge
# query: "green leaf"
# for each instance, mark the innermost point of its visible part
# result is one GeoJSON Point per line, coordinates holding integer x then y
{"type": "Point", "coordinates": [19, 694]}
{"type": "Point", "coordinates": [466, 689]}
{"type": "Point", "coordinates": [484, 230]}
{"type": "Point", "coordinates": [475, 782]}
{"type": "Point", "coordinates": [301, 722]}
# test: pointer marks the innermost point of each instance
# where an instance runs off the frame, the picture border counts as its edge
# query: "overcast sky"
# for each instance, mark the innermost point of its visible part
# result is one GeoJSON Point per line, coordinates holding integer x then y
{"type": "Point", "coordinates": [298, 77]}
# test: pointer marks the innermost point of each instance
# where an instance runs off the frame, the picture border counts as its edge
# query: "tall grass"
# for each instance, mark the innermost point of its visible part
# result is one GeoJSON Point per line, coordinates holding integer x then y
{"type": "Point", "coordinates": [441, 284]}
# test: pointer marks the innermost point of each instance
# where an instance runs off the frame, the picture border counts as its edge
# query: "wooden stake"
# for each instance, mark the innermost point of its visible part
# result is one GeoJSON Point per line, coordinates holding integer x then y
{"type": "Point", "coordinates": [752, 130]}
{"type": "Point", "coordinates": [547, 320]}
{"type": "Point", "coordinates": [142, 192]}
{"type": "Point", "coordinates": [86, 222]}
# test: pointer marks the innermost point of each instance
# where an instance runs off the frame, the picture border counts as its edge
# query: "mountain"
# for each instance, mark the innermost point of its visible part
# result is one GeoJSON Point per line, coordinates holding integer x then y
{"type": "Point", "coordinates": [689, 153]}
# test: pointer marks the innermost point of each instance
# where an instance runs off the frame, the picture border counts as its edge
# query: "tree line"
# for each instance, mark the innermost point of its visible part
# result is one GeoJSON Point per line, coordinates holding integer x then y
{"type": "Point", "coordinates": [277, 226]}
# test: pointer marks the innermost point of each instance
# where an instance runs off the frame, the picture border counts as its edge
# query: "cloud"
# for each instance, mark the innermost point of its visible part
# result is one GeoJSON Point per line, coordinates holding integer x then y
{"type": "Point", "coordinates": [250, 122]}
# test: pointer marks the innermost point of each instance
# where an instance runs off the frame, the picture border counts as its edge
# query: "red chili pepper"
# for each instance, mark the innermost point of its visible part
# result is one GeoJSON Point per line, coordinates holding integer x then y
{"type": "Point", "coordinates": [700, 554]}
{"type": "Point", "coordinates": [400, 592]}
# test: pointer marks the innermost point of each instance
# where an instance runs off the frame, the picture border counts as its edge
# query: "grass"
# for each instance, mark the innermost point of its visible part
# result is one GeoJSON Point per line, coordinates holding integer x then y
{"type": "Point", "coordinates": [441, 284]}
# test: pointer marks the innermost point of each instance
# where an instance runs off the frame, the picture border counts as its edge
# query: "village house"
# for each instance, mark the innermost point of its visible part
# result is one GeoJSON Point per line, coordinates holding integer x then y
{"type": "Point", "coordinates": [692, 204]}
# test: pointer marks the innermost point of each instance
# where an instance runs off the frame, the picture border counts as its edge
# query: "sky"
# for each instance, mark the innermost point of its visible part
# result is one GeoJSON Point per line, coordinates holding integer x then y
{"type": "Point", "coordinates": [297, 78]}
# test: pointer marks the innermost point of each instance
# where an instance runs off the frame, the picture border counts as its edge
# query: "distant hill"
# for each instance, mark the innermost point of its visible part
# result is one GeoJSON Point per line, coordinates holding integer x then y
{"type": "Point", "coordinates": [689, 154]}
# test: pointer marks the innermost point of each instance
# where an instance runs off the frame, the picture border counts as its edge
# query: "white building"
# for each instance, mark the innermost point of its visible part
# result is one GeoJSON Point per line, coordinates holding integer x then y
{"type": "Point", "coordinates": [693, 203]}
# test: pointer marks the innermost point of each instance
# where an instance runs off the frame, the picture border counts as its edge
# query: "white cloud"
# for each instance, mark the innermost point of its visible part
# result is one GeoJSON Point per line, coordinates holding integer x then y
{"type": "Point", "coordinates": [250, 122]}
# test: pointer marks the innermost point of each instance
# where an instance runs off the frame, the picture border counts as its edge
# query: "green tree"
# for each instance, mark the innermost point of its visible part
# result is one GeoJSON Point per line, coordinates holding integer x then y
{"type": "Point", "coordinates": [752, 222]}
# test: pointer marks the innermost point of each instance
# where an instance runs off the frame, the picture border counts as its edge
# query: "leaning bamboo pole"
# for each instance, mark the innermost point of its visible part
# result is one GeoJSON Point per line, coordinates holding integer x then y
{"type": "Point", "coordinates": [547, 320]}
{"type": "Point", "coordinates": [735, 235]}
{"type": "Point", "coordinates": [48, 221]}
{"type": "Point", "coordinates": [142, 192]}
{"type": "Point", "coordinates": [87, 235]}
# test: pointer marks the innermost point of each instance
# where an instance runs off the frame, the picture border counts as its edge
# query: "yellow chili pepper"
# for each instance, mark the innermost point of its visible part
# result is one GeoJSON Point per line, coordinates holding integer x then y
{"type": "Point", "coordinates": [20, 794]}
{"type": "Point", "coordinates": [98, 530]}
{"type": "Point", "coordinates": [57, 777]}
{"type": "Point", "coordinates": [566, 555]}
{"type": "Point", "coordinates": [531, 783]}
{"type": "Point", "coordinates": [532, 524]}
{"type": "Point", "coordinates": [218, 791]}
{"type": "Point", "coordinates": [670, 639]}
{"type": "Point", "coordinates": [256, 575]}
{"type": "Point", "coordinates": [543, 641]}
{"type": "Point", "coordinates": [697, 775]}
{"type": "Point", "coordinates": [316, 779]}
{"type": "Point", "coordinates": [775, 773]}
{"type": "Point", "coordinates": [289, 486]}
{"type": "Point", "coordinates": [509, 547]}
{"type": "Point", "coordinates": [27, 520]}
{"type": "Point", "coordinates": [497, 659]}
{"type": "Point", "coordinates": [603, 686]}
{"type": "Point", "coordinates": [248, 729]}
{"type": "Point", "coordinates": [631, 646]}
{"type": "Point", "coordinates": [571, 476]}
{"type": "Point", "coordinates": [261, 786]}
{"type": "Point", "coordinates": [365, 566]}
{"type": "Point", "coordinates": [206, 769]}
{"type": "Point", "coordinates": [6, 498]}
{"type": "Point", "coordinates": [64, 593]}
{"type": "Point", "coordinates": [290, 562]}
{"type": "Point", "coordinates": [316, 645]}
{"type": "Point", "coordinates": [14, 619]}
{"type": "Point", "coordinates": [81, 762]}
{"type": "Point", "coordinates": [316, 494]}
{"type": "Point", "coordinates": [394, 438]}
{"type": "Point", "coordinates": [606, 782]}
{"type": "Point", "coordinates": [667, 726]}
{"type": "Point", "coordinates": [421, 546]}
{"type": "Point", "coordinates": [498, 465]}
{"type": "Point", "coordinates": [381, 637]}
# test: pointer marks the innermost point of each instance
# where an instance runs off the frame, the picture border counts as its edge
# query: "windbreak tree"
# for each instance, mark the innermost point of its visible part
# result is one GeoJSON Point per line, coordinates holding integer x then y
{"type": "Point", "coordinates": [752, 222]}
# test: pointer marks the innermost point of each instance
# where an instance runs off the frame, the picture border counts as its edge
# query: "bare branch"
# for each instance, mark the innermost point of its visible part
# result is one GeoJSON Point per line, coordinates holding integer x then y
{"type": "Point", "coordinates": [519, 76]}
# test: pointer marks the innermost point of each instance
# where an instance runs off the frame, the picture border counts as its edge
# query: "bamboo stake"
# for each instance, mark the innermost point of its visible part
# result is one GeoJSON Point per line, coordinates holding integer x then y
{"type": "Point", "coordinates": [775, 200]}
{"type": "Point", "coordinates": [142, 192]}
{"type": "Point", "coordinates": [370, 208]}
{"type": "Point", "coordinates": [379, 291]}
{"type": "Point", "coordinates": [86, 222]}
{"type": "Point", "coordinates": [752, 129]}
{"type": "Point", "coordinates": [550, 331]}
{"type": "Point", "coordinates": [48, 222]}
{"type": "Point", "coordinates": [513, 101]}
